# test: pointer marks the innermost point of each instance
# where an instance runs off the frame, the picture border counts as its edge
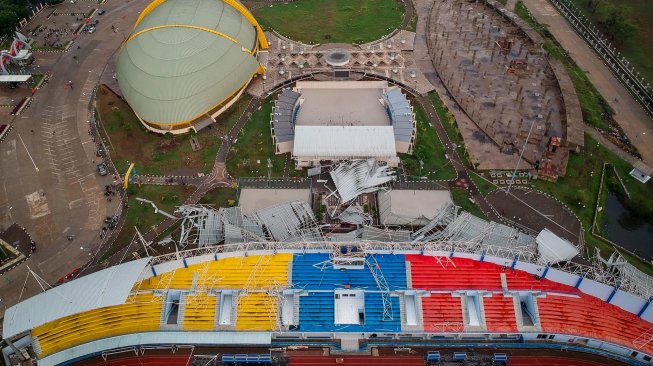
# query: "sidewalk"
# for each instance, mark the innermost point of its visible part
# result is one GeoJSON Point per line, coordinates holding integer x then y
{"type": "Point", "coordinates": [628, 113]}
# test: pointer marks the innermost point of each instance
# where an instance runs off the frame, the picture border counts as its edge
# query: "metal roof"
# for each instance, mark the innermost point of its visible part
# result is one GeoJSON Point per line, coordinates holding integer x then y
{"type": "Point", "coordinates": [14, 78]}
{"type": "Point", "coordinates": [108, 287]}
{"type": "Point", "coordinates": [344, 141]}
{"type": "Point", "coordinates": [184, 58]}
{"type": "Point", "coordinates": [554, 249]}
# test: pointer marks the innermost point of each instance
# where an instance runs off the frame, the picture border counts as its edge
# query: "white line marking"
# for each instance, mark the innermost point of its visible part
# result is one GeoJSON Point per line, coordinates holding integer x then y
{"type": "Point", "coordinates": [28, 154]}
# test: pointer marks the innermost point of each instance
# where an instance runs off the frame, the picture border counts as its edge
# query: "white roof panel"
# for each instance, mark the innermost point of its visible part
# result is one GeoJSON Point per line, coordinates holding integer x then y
{"type": "Point", "coordinates": [107, 287]}
{"type": "Point", "coordinates": [14, 78]}
{"type": "Point", "coordinates": [554, 249]}
{"type": "Point", "coordinates": [344, 141]}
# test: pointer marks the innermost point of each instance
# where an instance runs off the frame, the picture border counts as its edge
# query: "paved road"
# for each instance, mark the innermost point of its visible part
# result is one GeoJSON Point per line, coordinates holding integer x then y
{"type": "Point", "coordinates": [629, 114]}
{"type": "Point", "coordinates": [49, 180]}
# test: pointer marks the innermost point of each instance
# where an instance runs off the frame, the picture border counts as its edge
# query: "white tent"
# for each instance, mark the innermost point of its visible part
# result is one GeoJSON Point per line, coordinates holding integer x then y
{"type": "Point", "coordinates": [554, 249]}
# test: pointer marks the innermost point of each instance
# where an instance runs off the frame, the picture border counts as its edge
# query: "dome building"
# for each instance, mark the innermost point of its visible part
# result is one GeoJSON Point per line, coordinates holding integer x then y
{"type": "Point", "coordinates": [186, 61]}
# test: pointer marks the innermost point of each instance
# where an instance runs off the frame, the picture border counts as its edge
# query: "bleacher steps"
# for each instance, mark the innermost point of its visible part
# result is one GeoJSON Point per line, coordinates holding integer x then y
{"type": "Point", "coordinates": [402, 312]}
{"type": "Point", "coordinates": [409, 277]}
{"type": "Point", "coordinates": [295, 308]}
{"type": "Point", "coordinates": [182, 308]}
{"type": "Point", "coordinates": [504, 282]}
{"type": "Point", "coordinates": [36, 345]}
{"type": "Point", "coordinates": [216, 316]}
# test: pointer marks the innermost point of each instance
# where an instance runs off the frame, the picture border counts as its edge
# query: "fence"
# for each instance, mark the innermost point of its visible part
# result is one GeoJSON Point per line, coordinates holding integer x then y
{"type": "Point", "coordinates": [620, 67]}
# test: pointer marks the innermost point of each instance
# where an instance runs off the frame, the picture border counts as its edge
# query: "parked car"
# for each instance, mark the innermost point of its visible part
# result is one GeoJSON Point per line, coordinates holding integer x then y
{"type": "Point", "coordinates": [102, 169]}
{"type": "Point", "coordinates": [101, 12]}
{"type": "Point", "coordinates": [91, 29]}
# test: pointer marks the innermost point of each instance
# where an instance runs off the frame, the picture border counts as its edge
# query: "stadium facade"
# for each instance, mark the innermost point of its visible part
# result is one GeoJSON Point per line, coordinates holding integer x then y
{"type": "Point", "coordinates": [349, 297]}
{"type": "Point", "coordinates": [187, 61]}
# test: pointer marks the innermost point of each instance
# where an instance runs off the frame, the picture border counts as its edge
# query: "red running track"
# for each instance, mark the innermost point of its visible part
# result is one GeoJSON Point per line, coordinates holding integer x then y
{"type": "Point", "coordinates": [167, 360]}
{"type": "Point", "coordinates": [549, 361]}
{"type": "Point", "coordinates": [356, 360]}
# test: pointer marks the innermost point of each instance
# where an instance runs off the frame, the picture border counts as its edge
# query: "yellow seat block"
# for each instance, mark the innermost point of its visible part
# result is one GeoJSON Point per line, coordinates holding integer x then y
{"type": "Point", "coordinates": [257, 311]}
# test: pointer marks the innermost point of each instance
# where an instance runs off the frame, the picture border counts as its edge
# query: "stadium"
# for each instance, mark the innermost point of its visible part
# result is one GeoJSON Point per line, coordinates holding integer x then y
{"type": "Point", "coordinates": [268, 287]}
{"type": "Point", "coordinates": [186, 62]}
{"type": "Point", "coordinates": [330, 121]}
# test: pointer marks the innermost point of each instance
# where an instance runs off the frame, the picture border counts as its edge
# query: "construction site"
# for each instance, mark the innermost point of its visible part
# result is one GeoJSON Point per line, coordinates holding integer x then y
{"type": "Point", "coordinates": [523, 111]}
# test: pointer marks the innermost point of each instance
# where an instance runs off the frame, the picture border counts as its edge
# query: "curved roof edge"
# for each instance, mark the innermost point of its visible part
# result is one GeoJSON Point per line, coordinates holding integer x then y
{"type": "Point", "coordinates": [107, 287]}
{"type": "Point", "coordinates": [262, 41]}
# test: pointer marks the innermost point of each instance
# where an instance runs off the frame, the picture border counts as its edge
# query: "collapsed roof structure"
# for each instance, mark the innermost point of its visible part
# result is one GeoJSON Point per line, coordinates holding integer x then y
{"type": "Point", "coordinates": [288, 222]}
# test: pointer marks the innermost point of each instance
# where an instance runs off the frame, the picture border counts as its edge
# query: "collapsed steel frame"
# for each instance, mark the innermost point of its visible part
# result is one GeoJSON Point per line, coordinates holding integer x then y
{"type": "Point", "coordinates": [205, 226]}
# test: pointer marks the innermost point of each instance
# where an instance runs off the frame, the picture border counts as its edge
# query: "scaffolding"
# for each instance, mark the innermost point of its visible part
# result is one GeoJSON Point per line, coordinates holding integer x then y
{"type": "Point", "coordinates": [381, 283]}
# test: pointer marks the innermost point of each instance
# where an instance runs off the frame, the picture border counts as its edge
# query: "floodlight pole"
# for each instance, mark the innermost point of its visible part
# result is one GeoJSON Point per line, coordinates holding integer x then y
{"type": "Point", "coordinates": [269, 170]}
{"type": "Point", "coordinates": [512, 178]}
{"type": "Point", "coordinates": [421, 166]}
{"type": "Point", "coordinates": [142, 241]}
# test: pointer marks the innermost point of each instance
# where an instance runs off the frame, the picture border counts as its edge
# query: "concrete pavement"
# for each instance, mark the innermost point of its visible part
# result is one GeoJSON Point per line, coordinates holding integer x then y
{"type": "Point", "coordinates": [628, 113]}
{"type": "Point", "coordinates": [49, 178]}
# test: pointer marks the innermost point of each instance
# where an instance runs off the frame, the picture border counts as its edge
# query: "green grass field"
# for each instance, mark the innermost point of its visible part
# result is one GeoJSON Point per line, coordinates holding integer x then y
{"type": "Point", "coordinates": [637, 50]}
{"type": "Point", "coordinates": [248, 156]}
{"type": "Point", "coordinates": [156, 154]}
{"type": "Point", "coordinates": [142, 216]}
{"type": "Point", "coordinates": [332, 21]}
{"type": "Point", "coordinates": [460, 198]}
{"type": "Point", "coordinates": [429, 150]}
{"type": "Point", "coordinates": [579, 190]}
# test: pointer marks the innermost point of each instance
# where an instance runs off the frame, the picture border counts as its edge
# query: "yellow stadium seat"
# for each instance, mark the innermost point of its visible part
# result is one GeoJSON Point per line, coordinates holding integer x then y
{"type": "Point", "coordinates": [199, 313]}
{"type": "Point", "coordinates": [257, 311]}
{"type": "Point", "coordinates": [141, 313]}
{"type": "Point", "coordinates": [257, 272]}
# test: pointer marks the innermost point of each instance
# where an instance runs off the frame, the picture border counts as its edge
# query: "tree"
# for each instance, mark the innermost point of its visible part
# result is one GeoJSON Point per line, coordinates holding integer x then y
{"type": "Point", "coordinates": [8, 21]}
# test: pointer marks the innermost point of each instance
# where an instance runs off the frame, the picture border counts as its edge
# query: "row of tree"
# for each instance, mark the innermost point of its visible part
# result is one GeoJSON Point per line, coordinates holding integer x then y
{"type": "Point", "coordinates": [11, 11]}
{"type": "Point", "coordinates": [614, 18]}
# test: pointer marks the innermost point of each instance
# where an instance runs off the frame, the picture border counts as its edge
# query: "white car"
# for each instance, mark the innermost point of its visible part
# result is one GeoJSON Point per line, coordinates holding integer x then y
{"type": "Point", "coordinates": [91, 29]}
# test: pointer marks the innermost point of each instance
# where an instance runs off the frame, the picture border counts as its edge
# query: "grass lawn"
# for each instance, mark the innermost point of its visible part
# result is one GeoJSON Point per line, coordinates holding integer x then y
{"type": "Point", "coordinates": [429, 150]}
{"type": "Point", "coordinates": [332, 21]}
{"type": "Point", "coordinates": [248, 156]}
{"type": "Point", "coordinates": [596, 111]}
{"type": "Point", "coordinates": [219, 197]}
{"type": "Point", "coordinates": [142, 215]}
{"type": "Point", "coordinates": [579, 190]}
{"type": "Point", "coordinates": [460, 198]}
{"type": "Point", "coordinates": [636, 50]}
{"type": "Point", "coordinates": [155, 154]}
{"type": "Point", "coordinates": [450, 126]}
{"type": "Point", "coordinates": [36, 79]}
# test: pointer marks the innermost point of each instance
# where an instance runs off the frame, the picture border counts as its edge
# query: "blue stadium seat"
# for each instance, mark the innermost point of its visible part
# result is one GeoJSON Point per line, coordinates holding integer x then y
{"type": "Point", "coordinates": [459, 356]}
{"type": "Point", "coordinates": [500, 358]}
{"type": "Point", "coordinates": [228, 358]}
{"type": "Point", "coordinates": [305, 275]}
{"type": "Point", "coordinates": [433, 356]}
{"type": "Point", "coordinates": [316, 314]}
